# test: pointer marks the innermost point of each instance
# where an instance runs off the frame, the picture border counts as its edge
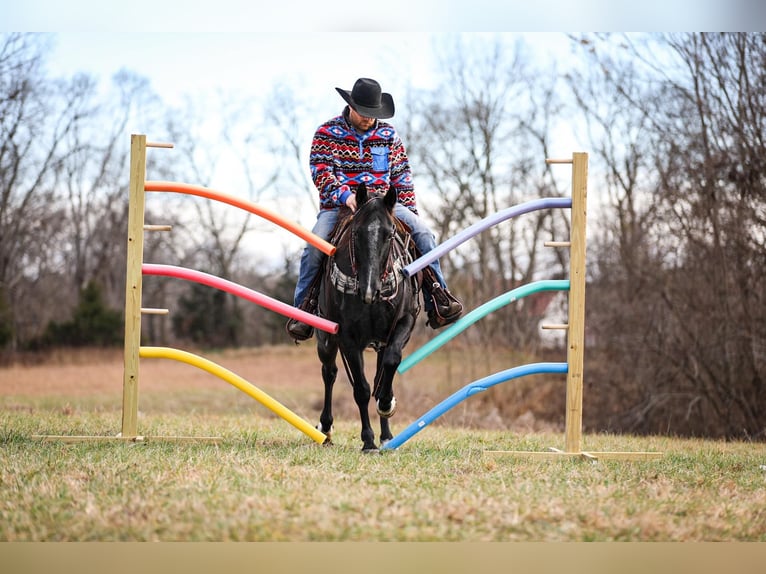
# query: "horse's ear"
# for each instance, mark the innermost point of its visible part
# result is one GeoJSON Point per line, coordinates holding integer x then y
{"type": "Point", "coordinates": [361, 194]}
{"type": "Point", "coordinates": [390, 198]}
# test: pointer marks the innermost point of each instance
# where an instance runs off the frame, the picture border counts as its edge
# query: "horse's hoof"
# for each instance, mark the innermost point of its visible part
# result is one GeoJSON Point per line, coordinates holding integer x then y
{"type": "Point", "coordinates": [327, 433]}
{"type": "Point", "coordinates": [390, 412]}
{"type": "Point", "coordinates": [327, 442]}
{"type": "Point", "coordinates": [370, 450]}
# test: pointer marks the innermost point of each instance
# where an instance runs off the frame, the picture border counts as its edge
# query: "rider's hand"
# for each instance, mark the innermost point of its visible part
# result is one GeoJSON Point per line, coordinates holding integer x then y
{"type": "Point", "coordinates": [351, 202]}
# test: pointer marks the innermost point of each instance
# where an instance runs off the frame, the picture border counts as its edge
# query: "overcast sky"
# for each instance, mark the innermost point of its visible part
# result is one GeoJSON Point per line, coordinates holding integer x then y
{"type": "Point", "coordinates": [391, 15]}
{"type": "Point", "coordinates": [187, 48]}
{"type": "Point", "coordinates": [250, 63]}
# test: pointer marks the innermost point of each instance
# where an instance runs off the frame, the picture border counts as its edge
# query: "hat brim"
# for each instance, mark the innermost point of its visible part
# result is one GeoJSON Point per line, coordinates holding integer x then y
{"type": "Point", "coordinates": [385, 111]}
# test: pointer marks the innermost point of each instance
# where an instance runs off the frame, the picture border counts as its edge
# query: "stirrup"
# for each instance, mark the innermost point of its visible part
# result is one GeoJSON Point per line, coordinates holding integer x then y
{"type": "Point", "coordinates": [436, 321]}
{"type": "Point", "coordinates": [446, 308]}
{"type": "Point", "coordinates": [298, 330]}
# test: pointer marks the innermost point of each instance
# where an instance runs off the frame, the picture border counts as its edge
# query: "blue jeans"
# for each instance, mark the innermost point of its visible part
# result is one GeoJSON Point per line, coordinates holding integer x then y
{"type": "Point", "coordinates": [312, 258]}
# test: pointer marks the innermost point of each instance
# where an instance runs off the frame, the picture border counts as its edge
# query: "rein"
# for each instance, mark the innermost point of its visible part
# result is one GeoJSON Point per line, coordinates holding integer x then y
{"type": "Point", "coordinates": [390, 279]}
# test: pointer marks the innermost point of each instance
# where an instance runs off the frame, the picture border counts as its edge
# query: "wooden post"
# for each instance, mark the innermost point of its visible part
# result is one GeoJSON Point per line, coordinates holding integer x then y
{"type": "Point", "coordinates": [133, 310]}
{"type": "Point", "coordinates": [133, 283]}
{"type": "Point", "coordinates": [576, 331]}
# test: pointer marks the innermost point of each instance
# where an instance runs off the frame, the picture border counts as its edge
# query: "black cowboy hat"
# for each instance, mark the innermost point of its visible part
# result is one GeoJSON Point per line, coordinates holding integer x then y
{"type": "Point", "coordinates": [368, 100]}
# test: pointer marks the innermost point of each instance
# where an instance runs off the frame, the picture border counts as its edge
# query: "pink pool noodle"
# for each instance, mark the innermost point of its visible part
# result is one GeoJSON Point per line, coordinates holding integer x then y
{"type": "Point", "coordinates": [240, 291]}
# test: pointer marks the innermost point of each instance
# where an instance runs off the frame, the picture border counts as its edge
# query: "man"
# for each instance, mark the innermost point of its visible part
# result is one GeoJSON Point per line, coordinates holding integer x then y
{"type": "Point", "coordinates": [357, 147]}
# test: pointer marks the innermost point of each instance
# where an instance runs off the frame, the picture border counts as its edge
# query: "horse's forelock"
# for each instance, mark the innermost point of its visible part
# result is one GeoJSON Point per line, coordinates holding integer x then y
{"type": "Point", "coordinates": [363, 212]}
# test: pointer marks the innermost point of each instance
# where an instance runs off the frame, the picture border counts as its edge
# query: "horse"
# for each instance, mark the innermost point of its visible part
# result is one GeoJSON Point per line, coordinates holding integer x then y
{"type": "Point", "coordinates": [374, 304]}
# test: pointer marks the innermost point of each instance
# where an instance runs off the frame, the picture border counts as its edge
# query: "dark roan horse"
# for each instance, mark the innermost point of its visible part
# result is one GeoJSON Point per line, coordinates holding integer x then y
{"type": "Point", "coordinates": [364, 291]}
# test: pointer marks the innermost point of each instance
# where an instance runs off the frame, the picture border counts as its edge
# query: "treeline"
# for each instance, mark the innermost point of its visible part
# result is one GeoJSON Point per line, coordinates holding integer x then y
{"type": "Point", "coordinates": [64, 147]}
{"type": "Point", "coordinates": [674, 125]}
{"type": "Point", "coordinates": [676, 298]}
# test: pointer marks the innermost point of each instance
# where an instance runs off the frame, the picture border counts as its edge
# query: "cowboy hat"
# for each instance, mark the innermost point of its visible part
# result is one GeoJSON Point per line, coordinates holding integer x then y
{"type": "Point", "coordinates": [368, 100]}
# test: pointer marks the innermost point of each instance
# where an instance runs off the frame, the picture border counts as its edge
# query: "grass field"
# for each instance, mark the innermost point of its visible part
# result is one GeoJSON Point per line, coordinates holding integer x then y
{"type": "Point", "coordinates": [266, 481]}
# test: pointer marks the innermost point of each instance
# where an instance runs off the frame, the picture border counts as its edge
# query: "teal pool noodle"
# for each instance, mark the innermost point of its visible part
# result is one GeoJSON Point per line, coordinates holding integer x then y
{"type": "Point", "coordinates": [468, 391]}
{"type": "Point", "coordinates": [483, 310]}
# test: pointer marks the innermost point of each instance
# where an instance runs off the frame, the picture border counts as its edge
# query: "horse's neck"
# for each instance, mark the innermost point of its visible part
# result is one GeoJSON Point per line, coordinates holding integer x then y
{"type": "Point", "coordinates": [341, 232]}
{"type": "Point", "coordinates": [341, 239]}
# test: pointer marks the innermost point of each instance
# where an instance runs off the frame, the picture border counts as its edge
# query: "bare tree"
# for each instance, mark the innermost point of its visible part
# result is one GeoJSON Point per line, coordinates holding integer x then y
{"type": "Point", "coordinates": [209, 235]}
{"type": "Point", "coordinates": [37, 117]}
{"type": "Point", "coordinates": [287, 117]}
{"type": "Point", "coordinates": [715, 207]}
{"type": "Point", "coordinates": [478, 144]}
{"type": "Point", "coordinates": [687, 259]}
{"type": "Point", "coordinates": [94, 185]}
{"type": "Point", "coordinates": [623, 185]}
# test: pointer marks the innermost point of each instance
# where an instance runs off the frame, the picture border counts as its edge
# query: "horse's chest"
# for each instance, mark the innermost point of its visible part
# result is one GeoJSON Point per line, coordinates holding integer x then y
{"type": "Point", "coordinates": [367, 323]}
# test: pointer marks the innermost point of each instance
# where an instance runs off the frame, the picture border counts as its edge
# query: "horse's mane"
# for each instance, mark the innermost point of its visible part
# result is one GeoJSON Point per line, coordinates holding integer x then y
{"type": "Point", "coordinates": [339, 237]}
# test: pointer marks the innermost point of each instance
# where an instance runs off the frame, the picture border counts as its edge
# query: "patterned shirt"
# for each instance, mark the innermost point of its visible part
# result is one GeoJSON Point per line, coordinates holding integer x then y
{"type": "Point", "coordinates": [341, 158]}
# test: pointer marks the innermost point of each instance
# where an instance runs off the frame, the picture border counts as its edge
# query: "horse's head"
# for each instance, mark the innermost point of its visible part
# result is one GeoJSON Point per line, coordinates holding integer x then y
{"type": "Point", "coordinates": [373, 230]}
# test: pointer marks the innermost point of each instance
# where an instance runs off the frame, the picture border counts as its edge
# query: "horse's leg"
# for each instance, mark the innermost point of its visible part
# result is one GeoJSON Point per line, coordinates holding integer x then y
{"type": "Point", "coordinates": [387, 403]}
{"type": "Point", "coordinates": [388, 361]}
{"type": "Point", "coordinates": [385, 400]}
{"type": "Point", "coordinates": [327, 351]}
{"type": "Point", "coordinates": [362, 393]}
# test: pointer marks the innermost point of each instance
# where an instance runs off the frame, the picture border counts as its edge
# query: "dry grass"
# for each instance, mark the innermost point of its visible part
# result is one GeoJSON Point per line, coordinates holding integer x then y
{"type": "Point", "coordinates": [266, 481]}
{"type": "Point", "coordinates": [291, 374]}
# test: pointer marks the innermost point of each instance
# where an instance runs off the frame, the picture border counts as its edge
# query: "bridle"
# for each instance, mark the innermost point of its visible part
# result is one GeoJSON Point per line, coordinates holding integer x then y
{"type": "Point", "coordinates": [391, 276]}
